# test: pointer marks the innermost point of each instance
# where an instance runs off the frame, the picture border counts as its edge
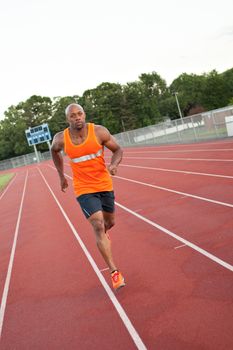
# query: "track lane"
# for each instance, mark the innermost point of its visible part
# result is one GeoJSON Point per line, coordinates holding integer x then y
{"type": "Point", "coordinates": [210, 217]}
{"type": "Point", "coordinates": [177, 292]}
{"type": "Point", "coordinates": [167, 281]}
{"type": "Point", "coordinates": [207, 188]}
{"type": "Point", "coordinates": [55, 299]}
{"type": "Point", "coordinates": [177, 153]}
{"type": "Point", "coordinates": [215, 144]}
{"type": "Point", "coordinates": [11, 260]}
{"type": "Point", "coordinates": [9, 210]}
{"type": "Point", "coordinates": [177, 171]}
{"type": "Point", "coordinates": [225, 168]}
{"type": "Point", "coordinates": [206, 224]}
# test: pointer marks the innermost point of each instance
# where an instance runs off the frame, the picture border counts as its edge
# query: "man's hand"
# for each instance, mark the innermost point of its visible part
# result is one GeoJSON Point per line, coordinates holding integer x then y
{"type": "Point", "coordinates": [64, 184]}
{"type": "Point", "coordinates": [112, 169]}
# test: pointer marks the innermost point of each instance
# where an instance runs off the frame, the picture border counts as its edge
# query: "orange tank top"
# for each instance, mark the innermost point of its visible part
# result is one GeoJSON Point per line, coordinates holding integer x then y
{"type": "Point", "coordinates": [90, 174]}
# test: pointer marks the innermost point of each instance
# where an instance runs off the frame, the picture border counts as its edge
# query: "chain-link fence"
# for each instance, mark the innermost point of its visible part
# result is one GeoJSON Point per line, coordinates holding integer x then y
{"type": "Point", "coordinates": [209, 125]}
{"type": "Point", "coordinates": [23, 160]}
{"type": "Point", "coordinates": [214, 124]}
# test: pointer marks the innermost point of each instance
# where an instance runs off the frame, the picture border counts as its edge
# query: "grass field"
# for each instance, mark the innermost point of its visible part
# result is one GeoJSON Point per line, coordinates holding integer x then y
{"type": "Point", "coordinates": [4, 179]}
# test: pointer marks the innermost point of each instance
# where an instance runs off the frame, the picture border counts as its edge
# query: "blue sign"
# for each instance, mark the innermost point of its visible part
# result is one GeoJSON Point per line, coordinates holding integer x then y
{"type": "Point", "coordinates": [38, 134]}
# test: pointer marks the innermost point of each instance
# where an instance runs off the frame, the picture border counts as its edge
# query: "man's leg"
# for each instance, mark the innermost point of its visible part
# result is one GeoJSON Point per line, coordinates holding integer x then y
{"type": "Point", "coordinates": [100, 226]}
{"type": "Point", "coordinates": [109, 220]}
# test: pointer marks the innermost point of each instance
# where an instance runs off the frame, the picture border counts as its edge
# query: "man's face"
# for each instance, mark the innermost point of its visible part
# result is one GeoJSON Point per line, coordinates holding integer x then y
{"type": "Point", "coordinates": [76, 117]}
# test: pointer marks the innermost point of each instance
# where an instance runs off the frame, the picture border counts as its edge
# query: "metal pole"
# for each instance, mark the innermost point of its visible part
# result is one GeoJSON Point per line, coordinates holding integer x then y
{"type": "Point", "coordinates": [123, 125]}
{"type": "Point", "coordinates": [36, 153]}
{"type": "Point", "coordinates": [194, 130]}
{"type": "Point", "coordinates": [178, 105]}
{"type": "Point", "coordinates": [178, 131]}
{"type": "Point", "coordinates": [49, 145]}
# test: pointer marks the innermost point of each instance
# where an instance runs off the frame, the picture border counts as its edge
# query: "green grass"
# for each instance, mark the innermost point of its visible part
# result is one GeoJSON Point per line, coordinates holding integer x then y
{"type": "Point", "coordinates": [4, 180]}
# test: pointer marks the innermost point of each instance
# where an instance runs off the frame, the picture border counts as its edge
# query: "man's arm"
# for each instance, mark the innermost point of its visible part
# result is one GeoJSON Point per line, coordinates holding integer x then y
{"type": "Point", "coordinates": [57, 147]}
{"type": "Point", "coordinates": [107, 140]}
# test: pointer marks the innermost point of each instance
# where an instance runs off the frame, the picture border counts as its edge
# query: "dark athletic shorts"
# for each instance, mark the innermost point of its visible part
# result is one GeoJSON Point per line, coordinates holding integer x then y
{"type": "Point", "coordinates": [93, 202]}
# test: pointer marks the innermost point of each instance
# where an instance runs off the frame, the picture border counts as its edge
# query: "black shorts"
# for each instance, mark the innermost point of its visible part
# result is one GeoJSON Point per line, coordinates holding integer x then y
{"type": "Point", "coordinates": [93, 202]}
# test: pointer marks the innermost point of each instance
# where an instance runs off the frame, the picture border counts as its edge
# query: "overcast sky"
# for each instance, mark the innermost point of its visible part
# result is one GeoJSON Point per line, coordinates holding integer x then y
{"type": "Point", "coordinates": [60, 48]}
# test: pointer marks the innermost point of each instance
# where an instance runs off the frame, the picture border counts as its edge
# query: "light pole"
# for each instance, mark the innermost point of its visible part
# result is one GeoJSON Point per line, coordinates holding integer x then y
{"type": "Point", "coordinates": [178, 105]}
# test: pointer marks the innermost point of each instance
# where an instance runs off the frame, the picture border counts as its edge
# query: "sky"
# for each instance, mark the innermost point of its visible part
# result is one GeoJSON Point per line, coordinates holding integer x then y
{"type": "Point", "coordinates": [62, 48]}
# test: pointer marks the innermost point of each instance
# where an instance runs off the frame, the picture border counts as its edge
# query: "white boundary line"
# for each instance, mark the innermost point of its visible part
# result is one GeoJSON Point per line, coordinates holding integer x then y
{"type": "Point", "coordinates": [105, 269]}
{"type": "Point", "coordinates": [180, 246]}
{"type": "Point", "coordinates": [172, 170]}
{"type": "Point", "coordinates": [182, 151]}
{"type": "Point", "coordinates": [132, 331]}
{"type": "Point", "coordinates": [177, 171]}
{"type": "Point", "coordinates": [180, 145]}
{"type": "Point", "coordinates": [170, 233]}
{"type": "Point", "coordinates": [177, 192]}
{"type": "Point", "coordinates": [10, 266]}
{"type": "Point", "coordinates": [184, 241]}
{"type": "Point", "coordinates": [171, 158]}
{"type": "Point", "coordinates": [168, 190]}
{"type": "Point", "coordinates": [10, 183]}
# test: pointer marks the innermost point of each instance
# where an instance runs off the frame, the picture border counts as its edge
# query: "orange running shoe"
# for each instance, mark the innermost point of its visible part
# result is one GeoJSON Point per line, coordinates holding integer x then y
{"type": "Point", "coordinates": [117, 280]}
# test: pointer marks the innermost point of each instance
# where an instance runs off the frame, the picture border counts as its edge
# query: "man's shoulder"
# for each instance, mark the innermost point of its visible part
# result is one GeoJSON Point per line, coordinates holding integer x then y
{"type": "Point", "coordinates": [100, 129]}
{"type": "Point", "coordinates": [59, 134]}
{"type": "Point", "coordinates": [58, 139]}
{"type": "Point", "coordinates": [101, 132]}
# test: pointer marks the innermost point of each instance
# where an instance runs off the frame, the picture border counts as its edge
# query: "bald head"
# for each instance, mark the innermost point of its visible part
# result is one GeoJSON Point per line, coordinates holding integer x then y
{"type": "Point", "coordinates": [70, 106]}
{"type": "Point", "coordinates": [75, 116]}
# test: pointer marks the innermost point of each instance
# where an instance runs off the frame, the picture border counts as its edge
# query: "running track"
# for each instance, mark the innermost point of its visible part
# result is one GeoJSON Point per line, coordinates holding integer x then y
{"type": "Point", "coordinates": [173, 241]}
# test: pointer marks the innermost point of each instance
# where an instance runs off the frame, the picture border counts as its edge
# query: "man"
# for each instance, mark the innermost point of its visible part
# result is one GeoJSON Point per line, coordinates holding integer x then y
{"type": "Point", "coordinates": [84, 144]}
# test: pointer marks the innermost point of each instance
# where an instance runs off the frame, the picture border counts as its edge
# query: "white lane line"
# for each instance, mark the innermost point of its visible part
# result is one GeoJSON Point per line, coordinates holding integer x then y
{"type": "Point", "coordinates": [183, 150]}
{"type": "Point", "coordinates": [177, 192]}
{"type": "Point", "coordinates": [170, 233]}
{"type": "Point", "coordinates": [171, 158]}
{"type": "Point", "coordinates": [167, 189]}
{"type": "Point", "coordinates": [184, 241]}
{"type": "Point", "coordinates": [180, 246]}
{"type": "Point", "coordinates": [138, 210]}
{"type": "Point", "coordinates": [132, 331]}
{"type": "Point", "coordinates": [181, 145]}
{"type": "Point", "coordinates": [176, 171]}
{"type": "Point", "coordinates": [8, 186]}
{"type": "Point", "coordinates": [10, 266]}
{"type": "Point", "coordinates": [106, 269]}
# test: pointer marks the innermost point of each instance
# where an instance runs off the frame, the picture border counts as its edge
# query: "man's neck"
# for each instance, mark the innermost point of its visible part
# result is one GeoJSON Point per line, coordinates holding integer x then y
{"type": "Point", "coordinates": [79, 132]}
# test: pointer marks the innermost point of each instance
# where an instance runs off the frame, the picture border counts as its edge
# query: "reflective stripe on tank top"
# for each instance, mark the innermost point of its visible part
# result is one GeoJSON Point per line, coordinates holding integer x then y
{"type": "Point", "coordinates": [87, 157]}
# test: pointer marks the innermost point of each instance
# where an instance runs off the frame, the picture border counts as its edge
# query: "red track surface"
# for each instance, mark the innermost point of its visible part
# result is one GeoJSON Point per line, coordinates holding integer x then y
{"type": "Point", "coordinates": [177, 296]}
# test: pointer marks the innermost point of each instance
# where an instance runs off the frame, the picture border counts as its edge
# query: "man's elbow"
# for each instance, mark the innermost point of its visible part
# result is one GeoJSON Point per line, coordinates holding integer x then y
{"type": "Point", "coordinates": [119, 153]}
{"type": "Point", "coordinates": [55, 153]}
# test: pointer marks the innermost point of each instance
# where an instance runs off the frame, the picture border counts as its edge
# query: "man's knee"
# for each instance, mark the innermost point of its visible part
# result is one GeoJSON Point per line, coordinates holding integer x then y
{"type": "Point", "coordinates": [98, 226]}
{"type": "Point", "coordinates": [109, 224]}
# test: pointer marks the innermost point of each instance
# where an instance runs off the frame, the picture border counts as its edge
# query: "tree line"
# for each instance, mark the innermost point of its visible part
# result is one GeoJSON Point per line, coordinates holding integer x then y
{"type": "Point", "coordinates": [146, 101]}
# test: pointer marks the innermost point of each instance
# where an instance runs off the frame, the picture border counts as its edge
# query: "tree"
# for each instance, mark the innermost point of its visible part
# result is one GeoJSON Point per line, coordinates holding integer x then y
{"type": "Point", "coordinates": [34, 111]}
{"type": "Point", "coordinates": [153, 89]}
{"type": "Point", "coordinates": [168, 107]}
{"type": "Point", "coordinates": [120, 108]}
{"type": "Point", "coordinates": [132, 106]}
{"type": "Point", "coordinates": [190, 88]}
{"type": "Point", "coordinates": [105, 104]}
{"type": "Point", "coordinates": [228, 82]}
{"type": "Point", "coordinates": [230, 102]}
{"type": "Point", "coordinates": [215, 94]}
